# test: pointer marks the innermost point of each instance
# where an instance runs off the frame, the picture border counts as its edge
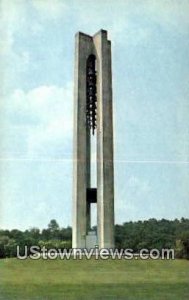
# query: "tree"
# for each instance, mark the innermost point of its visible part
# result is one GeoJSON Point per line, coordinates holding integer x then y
{"type": "Point", "coordinates": [54, 229]}
{"type": "Point", "coordinates": [34, 233]}
{"type": "Point", "coordinates": [185, 242]}
{"type": "Point", "coordinates": [3, 241]}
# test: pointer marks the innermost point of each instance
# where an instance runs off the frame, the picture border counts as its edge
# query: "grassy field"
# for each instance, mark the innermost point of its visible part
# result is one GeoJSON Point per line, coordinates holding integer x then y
{"type": "Point", "coordinates": [110, 279]}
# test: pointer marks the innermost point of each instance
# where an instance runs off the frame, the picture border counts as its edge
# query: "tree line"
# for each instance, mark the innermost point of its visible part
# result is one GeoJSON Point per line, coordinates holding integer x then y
{"type": "Point", "coordinates": [149, 234]}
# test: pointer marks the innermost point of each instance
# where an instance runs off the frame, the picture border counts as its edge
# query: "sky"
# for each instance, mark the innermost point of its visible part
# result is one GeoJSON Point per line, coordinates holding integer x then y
{"type": "Point", "coordinates": [150, 63]}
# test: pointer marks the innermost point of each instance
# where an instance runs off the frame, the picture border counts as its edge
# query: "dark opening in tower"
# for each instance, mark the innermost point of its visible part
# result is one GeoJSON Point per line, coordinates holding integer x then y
{"type": "Point", "coordinates": [91, 105]}
{"type": "Point", "coordinates": [91, 125]}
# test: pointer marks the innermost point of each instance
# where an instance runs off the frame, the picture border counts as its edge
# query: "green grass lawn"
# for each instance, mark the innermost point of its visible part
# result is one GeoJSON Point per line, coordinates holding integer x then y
{"type": "Point", "coordinates": [94, 279]}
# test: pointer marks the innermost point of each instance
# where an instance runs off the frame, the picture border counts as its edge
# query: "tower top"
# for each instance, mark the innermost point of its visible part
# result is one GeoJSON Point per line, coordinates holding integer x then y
{"type": "Point", "coordinates": [101, 31]}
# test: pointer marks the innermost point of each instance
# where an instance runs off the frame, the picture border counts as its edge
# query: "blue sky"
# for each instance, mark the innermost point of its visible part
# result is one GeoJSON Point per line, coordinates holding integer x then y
{"type": "Point", "coordinates": [150, 46]}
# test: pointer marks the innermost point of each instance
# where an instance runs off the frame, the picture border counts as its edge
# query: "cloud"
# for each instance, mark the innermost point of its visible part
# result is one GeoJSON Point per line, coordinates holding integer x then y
{"type": "Point", "coordinates": [50, 9]}
{"type": "Point", "coordinates": [168, 12]}
{"type": "Point", "coordinates": [44, 115]}
{"type": "Point", "coordinates": [12, 19]}
{"type": "Point", "coordinates": [134, 194]}
{"type": "Point", "coordinates": [139, 185]}
{"type": "Point", "coordinates": [13, 23]}
{"type": "Point", "coordinates": [134, 21]}
{"type": "Point", "coordinates": [135, 34]}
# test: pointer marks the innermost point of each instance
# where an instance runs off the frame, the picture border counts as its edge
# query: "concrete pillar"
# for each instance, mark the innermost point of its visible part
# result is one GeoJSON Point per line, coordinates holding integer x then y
{"type": "Point", "coordinates": [105, 170]}
{"type": "Point", "coordinates": [83, 48]}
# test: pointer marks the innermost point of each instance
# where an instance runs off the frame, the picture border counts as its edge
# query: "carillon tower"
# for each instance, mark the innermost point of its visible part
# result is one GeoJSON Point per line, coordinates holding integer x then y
{"type": "Point", "coordinates": [93, 119]}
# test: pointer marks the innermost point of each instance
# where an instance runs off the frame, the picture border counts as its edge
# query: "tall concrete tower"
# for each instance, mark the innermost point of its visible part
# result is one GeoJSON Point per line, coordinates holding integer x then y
{"type": "Point", "coordinates": [93, 118]}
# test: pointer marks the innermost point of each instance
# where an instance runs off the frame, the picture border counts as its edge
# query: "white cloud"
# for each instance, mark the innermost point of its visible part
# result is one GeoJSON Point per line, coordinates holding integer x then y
{"type": "Point", "coordinates": [12, 19]}
{"type": "Point", "coordinates": [50, 9]}
{"type": "Point", "coordinates": [125, 20]}
{"type": "Point", "coordinates": [44, 114]}
{"type": "Point", "coordinates": [168, 12]}
{"type": "Point", "coordinates": [131, 198]}
{"type": "Point", "coordinates": [13, 60]}
{"type": "Point", "coordinates": [139, 184]}
{"type": "Point", "coordinates": [134, 34]}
